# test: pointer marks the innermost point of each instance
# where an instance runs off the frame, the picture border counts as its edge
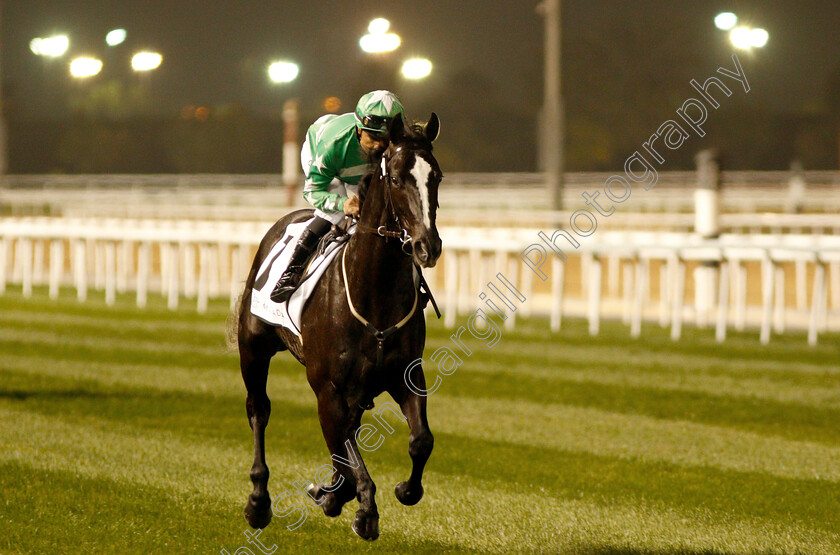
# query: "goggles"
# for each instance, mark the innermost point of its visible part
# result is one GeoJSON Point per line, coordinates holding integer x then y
{"type": "Point", "coordinates": [376, 122]}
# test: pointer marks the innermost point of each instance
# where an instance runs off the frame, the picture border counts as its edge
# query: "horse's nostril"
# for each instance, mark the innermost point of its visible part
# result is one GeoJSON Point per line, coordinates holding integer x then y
{"type": "Point", "coordinates": [420, 251]}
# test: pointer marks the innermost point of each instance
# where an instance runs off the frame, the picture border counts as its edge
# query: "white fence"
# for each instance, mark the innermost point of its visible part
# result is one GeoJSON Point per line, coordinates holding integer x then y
{"type": "Point", "coordinates": [173, 257]}
{"type": "Point", "coordinates": [774, 282]}
{"type": "Point", "coordinates": [739, 280]}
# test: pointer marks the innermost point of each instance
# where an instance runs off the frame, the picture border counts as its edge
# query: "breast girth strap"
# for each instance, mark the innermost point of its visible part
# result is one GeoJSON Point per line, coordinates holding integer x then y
{"type": "Point", "coordinates": [380, 336]}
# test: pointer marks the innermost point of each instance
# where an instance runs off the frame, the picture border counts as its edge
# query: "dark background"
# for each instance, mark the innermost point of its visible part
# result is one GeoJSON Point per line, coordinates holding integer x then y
{"type": "Point", "coordinates": [626, 69]}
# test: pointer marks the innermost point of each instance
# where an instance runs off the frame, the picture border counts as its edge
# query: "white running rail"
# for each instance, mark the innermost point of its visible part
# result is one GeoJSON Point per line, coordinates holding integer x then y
{"type": "Point", "coordinates": [770, 281]}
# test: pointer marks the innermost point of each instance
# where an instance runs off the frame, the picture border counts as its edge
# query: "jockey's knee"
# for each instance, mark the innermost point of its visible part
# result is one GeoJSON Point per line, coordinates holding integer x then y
{"type": "Point", "coordinates": [319, 226]}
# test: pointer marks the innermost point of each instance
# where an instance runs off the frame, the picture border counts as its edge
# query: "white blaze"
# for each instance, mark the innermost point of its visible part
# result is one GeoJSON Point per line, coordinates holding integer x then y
{"type": "Point", "coordinates": [421, 171]}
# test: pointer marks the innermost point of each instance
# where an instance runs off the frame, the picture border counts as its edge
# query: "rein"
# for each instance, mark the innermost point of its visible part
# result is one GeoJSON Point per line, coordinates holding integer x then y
{"type": "Point", "coordinates": [382, 231]}
{"type": "Point", "coordinates": [380, 336]}
{"type": "Point", "coordinates": [405, 239]}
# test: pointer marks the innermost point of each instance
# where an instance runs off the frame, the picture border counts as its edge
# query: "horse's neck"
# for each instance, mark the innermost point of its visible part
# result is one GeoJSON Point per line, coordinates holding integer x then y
{"type": "Point", "coordinates": [377, 268]}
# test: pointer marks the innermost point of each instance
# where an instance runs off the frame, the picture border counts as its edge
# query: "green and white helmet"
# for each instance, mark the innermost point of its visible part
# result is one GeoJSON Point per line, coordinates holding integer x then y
{"type": "Point", "coordinates": [376, 109]}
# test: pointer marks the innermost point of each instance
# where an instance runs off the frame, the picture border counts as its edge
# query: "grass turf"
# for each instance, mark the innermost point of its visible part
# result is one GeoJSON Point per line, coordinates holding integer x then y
{"type": "Point", "coordinates": [124, 431]}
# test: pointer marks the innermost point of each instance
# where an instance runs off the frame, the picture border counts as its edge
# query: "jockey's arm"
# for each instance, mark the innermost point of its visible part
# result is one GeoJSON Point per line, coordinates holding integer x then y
{"type": "Point", "coordinates": [323, 200]}
{"type": "Point", "coordinates": [316, 188]}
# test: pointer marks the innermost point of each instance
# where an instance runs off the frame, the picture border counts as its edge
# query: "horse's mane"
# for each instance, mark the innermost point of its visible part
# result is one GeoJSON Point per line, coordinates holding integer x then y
{"type": "Point", "coordinates": [414, 138]}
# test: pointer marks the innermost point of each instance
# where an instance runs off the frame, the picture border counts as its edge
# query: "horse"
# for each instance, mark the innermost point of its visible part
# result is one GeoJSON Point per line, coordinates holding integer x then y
{"type": "Point", "coordinates": [360, 330]}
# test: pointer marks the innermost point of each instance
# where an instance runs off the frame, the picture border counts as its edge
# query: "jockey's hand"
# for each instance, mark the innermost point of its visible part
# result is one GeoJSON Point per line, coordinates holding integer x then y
{"type": "Point", "coordinates": [351, 207]}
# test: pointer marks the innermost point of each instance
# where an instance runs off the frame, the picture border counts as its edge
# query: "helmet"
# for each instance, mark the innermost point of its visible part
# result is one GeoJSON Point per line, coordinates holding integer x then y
{"type": "Point", "coordinates": [376, 109]}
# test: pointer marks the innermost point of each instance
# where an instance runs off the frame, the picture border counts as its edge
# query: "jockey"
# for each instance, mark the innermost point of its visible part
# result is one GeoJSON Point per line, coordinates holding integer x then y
{"type": "Point", "coordinates": [337, 152]}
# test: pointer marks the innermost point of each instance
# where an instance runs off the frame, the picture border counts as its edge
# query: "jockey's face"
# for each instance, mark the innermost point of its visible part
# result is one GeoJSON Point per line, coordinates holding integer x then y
{"type": "Point", "coordinates": [373, 145]}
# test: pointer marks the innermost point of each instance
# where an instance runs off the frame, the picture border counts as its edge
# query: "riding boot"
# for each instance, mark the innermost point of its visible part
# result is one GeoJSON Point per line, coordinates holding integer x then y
{"type": "Point", "coordinates": [306, 245]}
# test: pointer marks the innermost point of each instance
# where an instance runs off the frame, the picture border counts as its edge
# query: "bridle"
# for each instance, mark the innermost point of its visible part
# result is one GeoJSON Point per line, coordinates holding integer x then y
{"type": "Point", "coordinates": [382, 231]}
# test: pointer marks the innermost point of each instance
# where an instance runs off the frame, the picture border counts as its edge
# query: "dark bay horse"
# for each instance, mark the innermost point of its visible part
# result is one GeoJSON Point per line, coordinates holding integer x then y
{"type": "Point", "coordinates": [347, 362]}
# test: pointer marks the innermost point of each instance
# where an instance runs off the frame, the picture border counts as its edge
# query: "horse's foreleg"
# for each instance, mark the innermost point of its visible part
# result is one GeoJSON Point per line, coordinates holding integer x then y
{"type": "Point", "coordinates": [332, 414]}
{"type": "Point", "coordinates": [255, 374]}
{"type": "Point", "coordinates": [339, 423]}
{"type": "Point", "coordinates": [420, 442]}
{"type": "Point", "coordinates": [366, 524]}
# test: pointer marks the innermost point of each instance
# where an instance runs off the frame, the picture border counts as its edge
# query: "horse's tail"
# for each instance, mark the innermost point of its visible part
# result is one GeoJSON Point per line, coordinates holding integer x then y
{"type": "Point", "coordinates": [232, 325]}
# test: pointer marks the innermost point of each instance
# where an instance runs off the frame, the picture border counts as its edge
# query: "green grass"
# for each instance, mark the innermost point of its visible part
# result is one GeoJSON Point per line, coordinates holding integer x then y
{"type": "Point", "coordinates": [124, 431]}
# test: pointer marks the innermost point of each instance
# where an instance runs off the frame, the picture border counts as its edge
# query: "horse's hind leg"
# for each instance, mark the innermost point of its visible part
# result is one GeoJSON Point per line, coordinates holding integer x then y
{"type": "Point", "coordinates": [339, 424]}
{"type": "Point", "coordinates": [255, 374]}
{"type": "Point", "coordinates": [420, 442]}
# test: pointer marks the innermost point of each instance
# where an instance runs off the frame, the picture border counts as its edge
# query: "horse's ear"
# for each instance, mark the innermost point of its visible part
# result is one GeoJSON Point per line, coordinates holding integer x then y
{"type": "Point", "coordinates": [396, 129]}
{"type": "Point", "coordinates": [432, 128]}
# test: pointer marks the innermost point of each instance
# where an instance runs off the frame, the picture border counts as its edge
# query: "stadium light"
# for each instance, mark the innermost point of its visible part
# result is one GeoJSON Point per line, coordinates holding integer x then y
{"type": "Point", "coordinates": [379, 26]}
{"type": "Point", "coordinates": [742, 37]}
{"type": "Point", "coordinates": [759, 37]}
{"type": "Point", "coordinates": [52, 47]}
{"type": "Point", "coordinates": [283, 72]}
{"type": "Point", "coordinates": [378, 38]}
{"type": "Point", "coordinates": [416, 68]}
{"type": "Point", "coordinates": [85, 67]}
{"type": "Point", "coordinates": [115, 37]}
{"type": "Point", "coordinates": [726, 21]}
{"type": "Point", "coordinates": [746, 38]}
{"type": "Point", "coordinates": [146, 61]}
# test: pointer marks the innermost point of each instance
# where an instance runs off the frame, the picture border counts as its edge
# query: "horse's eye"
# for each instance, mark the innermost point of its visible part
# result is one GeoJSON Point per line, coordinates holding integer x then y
{"type": "Point", "coordinates": [395, 181]}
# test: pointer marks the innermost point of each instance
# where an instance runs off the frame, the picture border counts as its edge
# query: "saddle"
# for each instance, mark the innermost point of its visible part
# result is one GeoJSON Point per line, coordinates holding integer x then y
{"type": "Point", "coordinates": [287, 314]}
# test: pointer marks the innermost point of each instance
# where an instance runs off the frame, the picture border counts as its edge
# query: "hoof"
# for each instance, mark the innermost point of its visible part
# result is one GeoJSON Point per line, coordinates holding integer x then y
{"type": "Point", "coordinates": [328, 501]}
{"type": "Point", "coordinates": [408, 496]}
{"type": "Point", "coordinates": [332, 508]}
{"type": "Point", "coordinates": [366, 525]}
{"type": "Point", "coordinates": [258, 511]}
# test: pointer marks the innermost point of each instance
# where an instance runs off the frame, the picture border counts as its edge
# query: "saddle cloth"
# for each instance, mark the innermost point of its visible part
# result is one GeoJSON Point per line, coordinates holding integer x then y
{"type": "Point", "coordinates": [287, 314]}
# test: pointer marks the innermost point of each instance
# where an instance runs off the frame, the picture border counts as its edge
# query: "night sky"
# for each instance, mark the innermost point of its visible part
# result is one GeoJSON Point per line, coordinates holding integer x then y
{"type": "Point", "coordinates": [217, 52]}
